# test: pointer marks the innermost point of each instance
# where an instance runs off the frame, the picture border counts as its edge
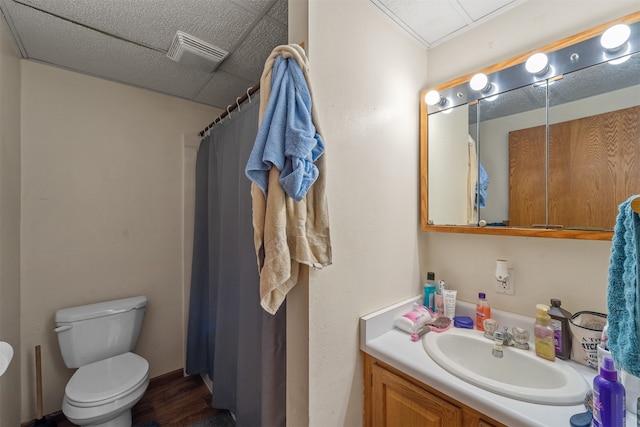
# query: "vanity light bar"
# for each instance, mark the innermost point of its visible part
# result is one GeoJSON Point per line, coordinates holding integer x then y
{"type": "Point", "coordinates": [581, 55]}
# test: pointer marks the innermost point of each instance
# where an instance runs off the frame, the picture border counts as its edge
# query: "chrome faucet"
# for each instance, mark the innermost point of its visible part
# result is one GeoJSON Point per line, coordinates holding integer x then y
{"type": "Point", "coordinates": [498, 343]}
{"type": "Point", "coordinates": [518, 339]}
{"type": "Point", "coordinates": [504, 336]}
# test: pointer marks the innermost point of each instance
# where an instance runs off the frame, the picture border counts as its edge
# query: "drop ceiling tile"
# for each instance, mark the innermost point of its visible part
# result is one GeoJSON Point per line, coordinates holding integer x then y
{"type": "Point", "coordinates": [61, 43]}
{"type": "Point", "coordinates": [104, 38]}
{"type": "Point", "coordinates": [280, 12]}
{"type": "Point", "coordinates": [223, 89]}
{"type": "Point", "coordinates": [433, 21]}
{"type": "Point", "coordinates": [154, 22]}
{"type": "Point", "coordinates": [481, 9]}
{"type": "Point", "coordinates": [248, 60]}
{"type": "Point", "coordinates": [427, 20]}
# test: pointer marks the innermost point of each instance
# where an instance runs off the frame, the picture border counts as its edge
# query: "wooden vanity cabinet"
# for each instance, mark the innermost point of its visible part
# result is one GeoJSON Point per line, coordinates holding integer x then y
{"type": "Point", "coordinates": [394, 399]}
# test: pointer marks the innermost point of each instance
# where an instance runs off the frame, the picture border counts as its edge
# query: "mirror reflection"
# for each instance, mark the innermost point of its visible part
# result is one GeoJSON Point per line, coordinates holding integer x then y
{"type": "Point", "coordinates": [560, 152]}
{"type": "Point", "coordinates": [594, 144]}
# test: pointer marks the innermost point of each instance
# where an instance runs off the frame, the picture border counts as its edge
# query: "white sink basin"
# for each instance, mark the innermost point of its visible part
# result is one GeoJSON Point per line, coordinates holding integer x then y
{"type": "Point", "coordinates": [519, 374]}
{"type": "Point", "coordinates": [6, 354]}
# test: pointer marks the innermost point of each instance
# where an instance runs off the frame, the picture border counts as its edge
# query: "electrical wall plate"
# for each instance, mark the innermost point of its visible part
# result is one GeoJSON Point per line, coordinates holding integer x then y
{"type": "Point", "coordinates": [509, 286]}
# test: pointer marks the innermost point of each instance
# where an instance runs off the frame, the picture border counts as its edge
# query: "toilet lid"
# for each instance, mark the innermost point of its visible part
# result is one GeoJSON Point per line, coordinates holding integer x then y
{"type": "Point", "coordinates": [106, 379]}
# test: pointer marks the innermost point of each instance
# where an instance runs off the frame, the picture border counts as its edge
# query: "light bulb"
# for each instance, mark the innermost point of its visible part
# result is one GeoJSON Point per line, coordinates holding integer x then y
{"type": "Point", "coordinates": [433, 97]}
{"type": "Point", "coordinates": [615, 37]}
{"type": "Point", "coordinates": [479, 82]}
{"type": "Point", "coordinates": [538, 63]}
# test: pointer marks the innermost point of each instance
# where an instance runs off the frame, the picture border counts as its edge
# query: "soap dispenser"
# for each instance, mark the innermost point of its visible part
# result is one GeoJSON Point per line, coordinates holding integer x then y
{"type": "Point", "coordinates": [543, 334]}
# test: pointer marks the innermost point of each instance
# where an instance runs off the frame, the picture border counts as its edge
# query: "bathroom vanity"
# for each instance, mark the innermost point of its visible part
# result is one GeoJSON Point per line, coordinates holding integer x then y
{"type": "Point", "coordinates": [393, 398]}
{"type": "Point", "coordinates": [404, 386]}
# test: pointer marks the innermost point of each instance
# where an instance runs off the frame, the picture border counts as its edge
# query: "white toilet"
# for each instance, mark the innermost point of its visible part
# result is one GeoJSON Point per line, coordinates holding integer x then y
{"type": "Point", "coordinates": [98, 340]}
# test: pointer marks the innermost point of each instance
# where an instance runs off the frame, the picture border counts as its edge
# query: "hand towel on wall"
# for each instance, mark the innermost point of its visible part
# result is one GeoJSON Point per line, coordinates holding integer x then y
{"type": "Point", "coordinates": [623, 301]}
{"type": "Point", "coordinates": [287, 232]}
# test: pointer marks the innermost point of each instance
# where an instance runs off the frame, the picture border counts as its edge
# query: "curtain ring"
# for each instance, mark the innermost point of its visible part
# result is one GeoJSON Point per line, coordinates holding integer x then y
{"type": "Point", "coordinates": [238, 104]}
{"type": "Point", "coordinates": [228, 112]}
{"type": "Point", "coordinates": [249, 95]}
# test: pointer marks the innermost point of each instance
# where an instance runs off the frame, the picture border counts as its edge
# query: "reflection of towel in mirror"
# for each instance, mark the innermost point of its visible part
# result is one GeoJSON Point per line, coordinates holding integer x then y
{"type": "Point", "coordinates": [477, 183]}
{"type": "Point", "coordinates": [623, 302]}
{"type": "Point", "coordinates": [483, 185]}
{"type": "Point", "coordinates": [472, 182]}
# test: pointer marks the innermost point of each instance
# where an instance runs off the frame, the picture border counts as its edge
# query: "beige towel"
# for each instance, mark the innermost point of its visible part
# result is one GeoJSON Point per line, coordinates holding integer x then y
{"type": "Point", "coordinates": [288, 233]}
{"type": "Point", "coordinates": [472, 182]}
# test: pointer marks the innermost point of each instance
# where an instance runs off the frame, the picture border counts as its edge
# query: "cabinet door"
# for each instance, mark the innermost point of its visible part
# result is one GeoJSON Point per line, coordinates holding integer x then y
{"type": "Point", "coordinates": [399, 403]}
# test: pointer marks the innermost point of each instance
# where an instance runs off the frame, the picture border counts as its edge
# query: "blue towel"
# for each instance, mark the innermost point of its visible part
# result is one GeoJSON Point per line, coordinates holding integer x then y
{"type": "Point", "coordinates": [287, 137]}
{"type": "Point", "coordinates": [481, 189]}
{"type": "Point", "coordinates": [623, 302]}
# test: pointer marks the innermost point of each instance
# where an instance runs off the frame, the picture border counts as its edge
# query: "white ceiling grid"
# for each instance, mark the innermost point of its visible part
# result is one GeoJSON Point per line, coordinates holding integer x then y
{"type": "Point", "coordinates": [432, 22]}
{"type": "Point", "coordinates": [127, 40]}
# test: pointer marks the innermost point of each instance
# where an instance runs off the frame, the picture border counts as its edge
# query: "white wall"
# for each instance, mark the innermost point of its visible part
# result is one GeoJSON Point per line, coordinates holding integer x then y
{"type": "Point", "coordinates": [102, 206]}
{"type": "Point", "coordinates": [9, 226]}
{"type": "Point", "coordinates": [367, 75]}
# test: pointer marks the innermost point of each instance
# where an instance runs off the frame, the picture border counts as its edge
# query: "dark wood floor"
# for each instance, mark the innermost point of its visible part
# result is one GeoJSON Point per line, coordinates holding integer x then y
{"type": "Point", "coordinates": [171, 400]}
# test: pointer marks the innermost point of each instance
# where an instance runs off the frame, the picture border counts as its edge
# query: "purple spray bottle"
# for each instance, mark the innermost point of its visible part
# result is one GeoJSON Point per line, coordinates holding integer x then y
{"type": "Point", "coordinates": [608, 397]}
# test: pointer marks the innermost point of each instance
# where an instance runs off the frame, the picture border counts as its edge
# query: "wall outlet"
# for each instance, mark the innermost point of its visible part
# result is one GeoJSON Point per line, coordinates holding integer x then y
{"type": "Point", "coordinates": [508, 287]}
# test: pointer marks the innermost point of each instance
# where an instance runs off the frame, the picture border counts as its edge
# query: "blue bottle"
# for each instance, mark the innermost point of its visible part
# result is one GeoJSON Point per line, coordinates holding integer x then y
{"type": "Point", "coordinates": [430, 291]}
{"type": "Point", "coordinates": [608, 397]}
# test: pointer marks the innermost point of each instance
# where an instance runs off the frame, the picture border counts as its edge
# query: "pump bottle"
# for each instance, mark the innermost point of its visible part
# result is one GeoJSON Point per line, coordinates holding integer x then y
{"type": "Point", "coordinates": [543, 334]}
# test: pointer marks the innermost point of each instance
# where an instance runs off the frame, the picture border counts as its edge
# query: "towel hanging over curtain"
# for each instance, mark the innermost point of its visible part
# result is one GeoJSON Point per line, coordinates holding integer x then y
{"type": "Point", "coordinates": [287, 168]}
{"type": "Point", "coordinates": [230, 337]}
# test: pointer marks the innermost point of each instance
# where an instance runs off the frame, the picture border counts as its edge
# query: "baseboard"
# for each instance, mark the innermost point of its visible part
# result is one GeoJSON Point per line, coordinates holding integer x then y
{"type": "Point", "coordinates": [158, 381]}
{"type": "Point", "coordinates": [163, 379]}
{"type": "Point", "coordinates": [57, 417]}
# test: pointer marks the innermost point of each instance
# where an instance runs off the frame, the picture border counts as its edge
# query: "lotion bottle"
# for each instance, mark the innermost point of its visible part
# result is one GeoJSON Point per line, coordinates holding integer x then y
{"type": "Point", "coordinates": [543, 334]}
{"type": "Point", "coordinates": [608, 397]}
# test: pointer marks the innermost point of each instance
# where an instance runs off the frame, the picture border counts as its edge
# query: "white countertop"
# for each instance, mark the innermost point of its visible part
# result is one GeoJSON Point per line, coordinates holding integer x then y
{"type": "Point", "coordinates": [392, 346]}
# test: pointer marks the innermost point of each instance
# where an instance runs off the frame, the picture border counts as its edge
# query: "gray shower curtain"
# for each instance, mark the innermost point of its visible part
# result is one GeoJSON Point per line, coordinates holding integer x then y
{"type": "Point", "coordinates": [230, 337]}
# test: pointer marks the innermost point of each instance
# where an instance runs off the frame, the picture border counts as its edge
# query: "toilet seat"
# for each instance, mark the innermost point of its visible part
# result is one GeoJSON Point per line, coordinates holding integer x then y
{"type": "Point", "coordinates": [107, 380]}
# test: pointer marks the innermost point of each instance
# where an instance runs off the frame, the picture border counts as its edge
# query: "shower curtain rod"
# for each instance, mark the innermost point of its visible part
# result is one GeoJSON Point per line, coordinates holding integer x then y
{"type": "Point", "coordinates": [230, 108]}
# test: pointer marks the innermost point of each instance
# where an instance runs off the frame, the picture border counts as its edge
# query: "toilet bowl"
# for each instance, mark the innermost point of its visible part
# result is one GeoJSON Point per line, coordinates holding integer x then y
{"type": "Point", "coordinates": [98, 339]}
{"type": "Point", "coordinates": [103, 393]}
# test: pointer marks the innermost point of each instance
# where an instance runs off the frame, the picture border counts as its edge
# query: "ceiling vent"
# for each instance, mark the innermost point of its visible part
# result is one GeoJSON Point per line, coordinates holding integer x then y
{"type": "Point", "coordinates": [191, 51]}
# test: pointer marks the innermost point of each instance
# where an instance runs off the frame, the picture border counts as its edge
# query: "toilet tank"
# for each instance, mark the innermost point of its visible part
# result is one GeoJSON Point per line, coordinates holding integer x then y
{"type": "Point", "coordinates": [94, 332]}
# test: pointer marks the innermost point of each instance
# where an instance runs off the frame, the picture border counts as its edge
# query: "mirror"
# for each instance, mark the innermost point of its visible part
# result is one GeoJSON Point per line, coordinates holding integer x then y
{"type": "Point", "coordinates": [551, 154]}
